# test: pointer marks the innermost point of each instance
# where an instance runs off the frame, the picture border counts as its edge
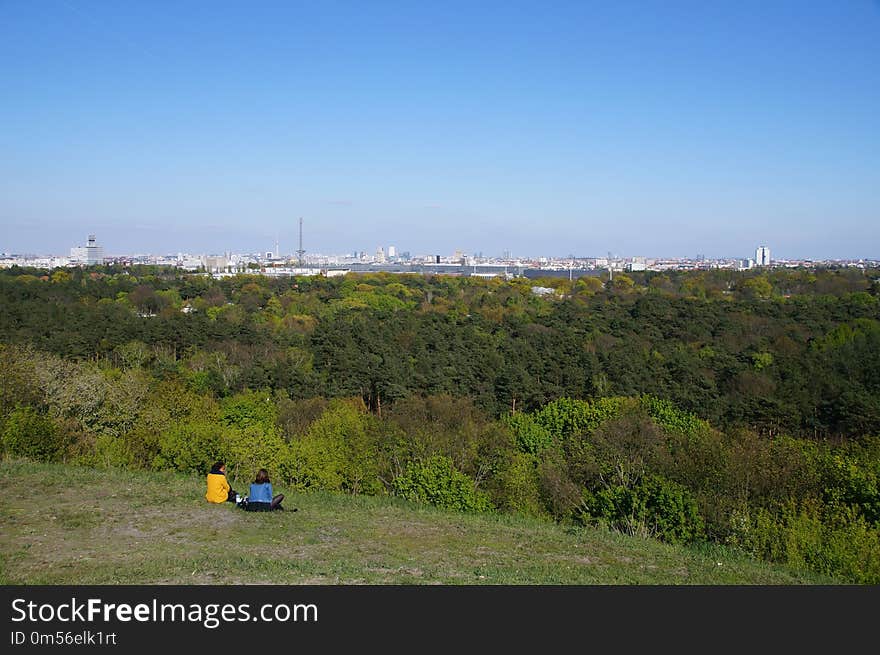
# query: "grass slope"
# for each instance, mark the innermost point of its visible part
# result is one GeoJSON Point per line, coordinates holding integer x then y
{"type": "Point", "coordinates": [74, 525]}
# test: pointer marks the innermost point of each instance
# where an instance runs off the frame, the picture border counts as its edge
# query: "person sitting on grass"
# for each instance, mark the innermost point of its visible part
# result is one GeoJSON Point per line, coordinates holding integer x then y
{"type": "Point", "coordinates": [219, 490]}
{"type": "Point", "coordinates": [260, 498]}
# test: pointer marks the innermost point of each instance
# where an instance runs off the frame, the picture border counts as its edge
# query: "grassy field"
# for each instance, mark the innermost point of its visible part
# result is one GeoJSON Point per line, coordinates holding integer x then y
{"type": "Point", "coordinates": [71, 525]}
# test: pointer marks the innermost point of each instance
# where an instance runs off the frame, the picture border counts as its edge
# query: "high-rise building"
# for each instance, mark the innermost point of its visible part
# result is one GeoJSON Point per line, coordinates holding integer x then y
{"type": "Point", "coordinates": [94, 252]}
{"type": "Point", "coordinates": [392, 252]}
{"type": "Point", "coordinates": [89, 254]}
{"type": "Point", "coordinates": [762, 256]}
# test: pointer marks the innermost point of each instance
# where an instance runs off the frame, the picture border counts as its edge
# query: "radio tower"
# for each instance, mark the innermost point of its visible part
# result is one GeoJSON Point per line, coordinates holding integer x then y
{"type": "Point", "coordinates": [300, 252]}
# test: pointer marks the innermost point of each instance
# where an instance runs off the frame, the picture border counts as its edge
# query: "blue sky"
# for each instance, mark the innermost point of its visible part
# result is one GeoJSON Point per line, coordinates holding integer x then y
{"type": "Point", "coordinates": [542, 128]}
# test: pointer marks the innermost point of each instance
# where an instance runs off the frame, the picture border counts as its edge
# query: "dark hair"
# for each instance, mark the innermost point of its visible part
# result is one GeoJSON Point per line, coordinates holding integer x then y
{"type": "Point", "coordinates": [217, 466]}
{"type": "Point", "coordinates": [262, 476]}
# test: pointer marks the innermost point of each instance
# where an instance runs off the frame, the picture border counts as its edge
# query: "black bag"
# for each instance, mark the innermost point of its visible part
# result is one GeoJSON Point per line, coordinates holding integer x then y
{"type": "Point", "coordinates": [256, 506]}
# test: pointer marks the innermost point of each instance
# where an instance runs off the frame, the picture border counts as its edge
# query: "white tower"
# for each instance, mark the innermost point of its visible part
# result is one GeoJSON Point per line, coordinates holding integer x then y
{"type": "Point", "coordinates": [94, 252]}
{"type": "Point", "coordinates": [762, 256]}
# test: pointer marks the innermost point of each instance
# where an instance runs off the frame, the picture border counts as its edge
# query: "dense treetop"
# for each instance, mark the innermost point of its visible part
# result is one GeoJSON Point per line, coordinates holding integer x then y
{"type": "Point", "coordinates": [781, 350]}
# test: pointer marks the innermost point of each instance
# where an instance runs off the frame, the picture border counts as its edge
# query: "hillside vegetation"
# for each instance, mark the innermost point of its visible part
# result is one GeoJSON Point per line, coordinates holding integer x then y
{"type": "Point", "coordinates": [733, 409]}
{"type": "Point", "coordinates": [78, 525]}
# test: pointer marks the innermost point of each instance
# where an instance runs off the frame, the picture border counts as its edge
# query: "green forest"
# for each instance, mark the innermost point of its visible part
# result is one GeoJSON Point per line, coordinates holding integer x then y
{"type": "Point", "coordinates": [740, 408]}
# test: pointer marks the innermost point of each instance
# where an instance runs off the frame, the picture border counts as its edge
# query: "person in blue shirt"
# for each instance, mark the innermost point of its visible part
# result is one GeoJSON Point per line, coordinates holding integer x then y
{"type": "Point", "coordinates": [260, 497]}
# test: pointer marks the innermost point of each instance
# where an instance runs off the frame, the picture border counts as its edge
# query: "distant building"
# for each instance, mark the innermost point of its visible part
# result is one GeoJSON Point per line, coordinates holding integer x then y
{"type": "Point", "coordinates": [90, 254]}
{"type": "Point", "coordinates": [392, 252]}
{"type": "Point", "coordinates": [762, 256]}
{"type": "Point", "coordinates": [637, 264]}
{"type": "Point", "coordinates": [94, 252]}
{"type": "Point", "coordinates": [78, 255]}
{"type": "Point", "coordinates": [214, 264]}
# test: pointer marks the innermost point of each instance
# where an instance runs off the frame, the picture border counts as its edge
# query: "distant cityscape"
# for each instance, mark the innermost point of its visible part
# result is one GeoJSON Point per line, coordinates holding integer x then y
{"type": "Point", "coordinates": [389, 259]}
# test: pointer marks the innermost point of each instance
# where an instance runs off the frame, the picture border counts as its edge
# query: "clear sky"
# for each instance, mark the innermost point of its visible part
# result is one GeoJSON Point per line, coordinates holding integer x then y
{"type": "Point", "coordinates": [543, 128]}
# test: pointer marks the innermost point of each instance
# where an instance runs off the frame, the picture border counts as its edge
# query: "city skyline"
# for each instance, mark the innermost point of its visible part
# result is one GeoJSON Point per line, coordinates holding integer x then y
{"type": "Point", "coordinates": [663, 130]}
{"type": "Point", "coordinates": [403, 260]}
{"type": "Point", "coordinates": [79, 252]}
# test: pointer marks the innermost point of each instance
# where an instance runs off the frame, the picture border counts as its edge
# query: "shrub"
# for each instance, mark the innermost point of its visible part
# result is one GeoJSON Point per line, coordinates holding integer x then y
{"type": "Point", "coordinates": [27, 433]}
{"type": "Point", "coordinates": [296, 416]}
{"type": "Point", "coordinates": [453, 427]}
{"type": "Point", "coordinates": [830, 539]}
{"type": "Point", "coordinates": [627, 447]}
{"type": "Point", "coordinates": [670, 418]}
{"type": "Point", "coordinates": [142, 445]}
{"type": "Point", "coordinates": [192, 447]}
{"type": "Point", "coordinates": [567, 417]}
{"type": "Point", "coordinates": [314, 463]}
{"type": "Point", "coordinates": [853, 478]}
{"type": "Point", "coordinates": [560, 495]}
{"type": "Point", "coordinates": [531, 437]}
{"type": "Point", "coordinates": [251, 449]}
{"type": "Point", "coordinates": [516, 487]}
{"type": "Point", "coordinates": [19, 383]}
{"type": "Point", "coordinates": [110, 451]}
{"type": "Point", "coordinates": [250, 409]}
{"type": "Point", "coordinates": [436, 481]}
{"type": "Point", "coordinates": [655, 507]}
{"type": "Point", "coordinates": [338, 453]}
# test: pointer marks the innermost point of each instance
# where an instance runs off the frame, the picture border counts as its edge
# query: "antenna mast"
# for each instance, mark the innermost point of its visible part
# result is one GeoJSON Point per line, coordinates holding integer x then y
{"type": "Point", "coordinates": [300, 252]}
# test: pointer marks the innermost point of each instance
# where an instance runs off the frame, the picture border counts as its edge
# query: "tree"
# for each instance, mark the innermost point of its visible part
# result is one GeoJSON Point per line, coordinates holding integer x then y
{"type": "Point", "coordinates": [144, 298]}
{"type": "Point", "coordinates": [758, 287]}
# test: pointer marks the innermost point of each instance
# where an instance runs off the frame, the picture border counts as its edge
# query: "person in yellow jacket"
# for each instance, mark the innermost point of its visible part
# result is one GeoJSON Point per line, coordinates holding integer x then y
{"type": "Point", "coordinates": [219, 490]}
